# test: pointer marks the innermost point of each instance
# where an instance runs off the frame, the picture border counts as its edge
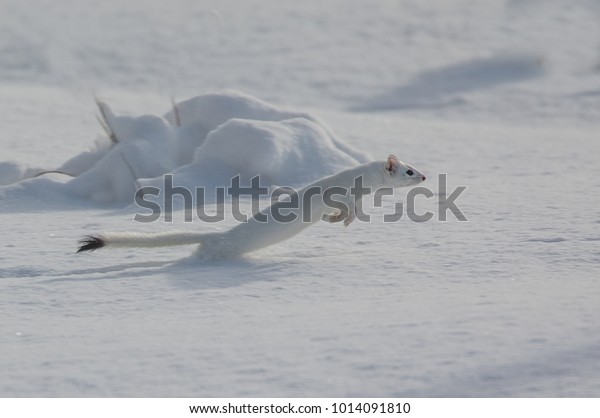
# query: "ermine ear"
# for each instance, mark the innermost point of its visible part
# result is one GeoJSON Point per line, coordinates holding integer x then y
{"type": "Point", "coordinates": [392, 164]}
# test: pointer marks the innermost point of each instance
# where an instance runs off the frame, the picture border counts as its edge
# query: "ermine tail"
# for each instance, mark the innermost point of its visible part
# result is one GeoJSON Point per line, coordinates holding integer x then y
{"type": "Point", "coordinates": [136, 239]}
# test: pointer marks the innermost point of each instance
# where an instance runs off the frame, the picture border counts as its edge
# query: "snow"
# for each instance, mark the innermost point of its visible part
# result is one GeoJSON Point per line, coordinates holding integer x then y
{"type": "Point", "coordinates": [205, 142]}
{"type": "Point", "coordinates": [501, 96]}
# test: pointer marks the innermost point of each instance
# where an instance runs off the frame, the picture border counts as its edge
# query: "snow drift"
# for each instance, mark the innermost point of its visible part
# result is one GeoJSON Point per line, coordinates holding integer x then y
{"type": "Point", "coordinates": [203, 141]}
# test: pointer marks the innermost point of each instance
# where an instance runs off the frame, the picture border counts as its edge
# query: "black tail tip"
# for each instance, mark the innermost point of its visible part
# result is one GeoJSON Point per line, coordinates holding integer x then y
{"type": "Point", "coordinates": [91, 243]}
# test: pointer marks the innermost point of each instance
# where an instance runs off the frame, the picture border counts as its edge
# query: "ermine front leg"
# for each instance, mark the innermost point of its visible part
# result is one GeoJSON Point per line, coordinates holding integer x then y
{"type": "Point", "coordinates": [348, 216]}
{"type": "Point", "coordinates": [337, 216]}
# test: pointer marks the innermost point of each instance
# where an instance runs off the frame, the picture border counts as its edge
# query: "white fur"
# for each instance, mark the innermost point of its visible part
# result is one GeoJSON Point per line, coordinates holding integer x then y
{"type": "Point", "coordinates": [254, 235]}
{"type": "Point", "coordinates": [151, 239]}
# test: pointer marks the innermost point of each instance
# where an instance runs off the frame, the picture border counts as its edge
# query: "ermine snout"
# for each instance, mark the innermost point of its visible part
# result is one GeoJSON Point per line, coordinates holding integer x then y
{"type": "Point", "coordinates": [423, 177]}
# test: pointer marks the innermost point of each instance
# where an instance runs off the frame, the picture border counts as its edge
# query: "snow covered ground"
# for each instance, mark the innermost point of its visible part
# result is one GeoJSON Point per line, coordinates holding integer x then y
{"type": "Point", "coordinates": [503, 96]}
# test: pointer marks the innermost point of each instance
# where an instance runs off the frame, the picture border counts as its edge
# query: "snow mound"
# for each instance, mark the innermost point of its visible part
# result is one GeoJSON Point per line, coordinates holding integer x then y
{"type": "Point", "coordinates": [200, 115]}
{"type": "Point", "coordinates": [203, 141]}
{"type": "Point", "coordinates": [145, 146]}
{"type": "Point", "coordinates": [290, 152]}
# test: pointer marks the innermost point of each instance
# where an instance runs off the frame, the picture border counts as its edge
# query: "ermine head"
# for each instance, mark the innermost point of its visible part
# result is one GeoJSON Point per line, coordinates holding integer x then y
{"type": "Point", "coordinates": [399, 174]}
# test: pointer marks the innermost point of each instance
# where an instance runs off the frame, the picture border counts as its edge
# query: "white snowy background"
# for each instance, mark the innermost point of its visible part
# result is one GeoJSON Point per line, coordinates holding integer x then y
{"type": "Point", "coordinates": [503, 96]}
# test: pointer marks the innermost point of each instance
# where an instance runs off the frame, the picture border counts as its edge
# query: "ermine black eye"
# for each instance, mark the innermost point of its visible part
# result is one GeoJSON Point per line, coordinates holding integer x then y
{"type": "Point", "coordinates": [410, 172]}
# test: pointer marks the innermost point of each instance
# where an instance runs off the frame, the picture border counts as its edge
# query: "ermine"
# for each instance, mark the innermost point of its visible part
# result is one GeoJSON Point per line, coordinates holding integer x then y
{"type": "Point", "coordinates": [263, 229]}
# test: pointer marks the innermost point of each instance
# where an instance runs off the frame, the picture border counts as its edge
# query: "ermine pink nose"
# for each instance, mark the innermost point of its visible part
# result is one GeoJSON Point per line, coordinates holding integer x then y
{"type": "Point", "coordinates": [423, 178]}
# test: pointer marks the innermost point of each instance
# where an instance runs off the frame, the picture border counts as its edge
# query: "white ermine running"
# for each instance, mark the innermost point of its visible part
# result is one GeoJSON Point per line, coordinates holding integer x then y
{"type": "Point", "coordinates": [256, 234]}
